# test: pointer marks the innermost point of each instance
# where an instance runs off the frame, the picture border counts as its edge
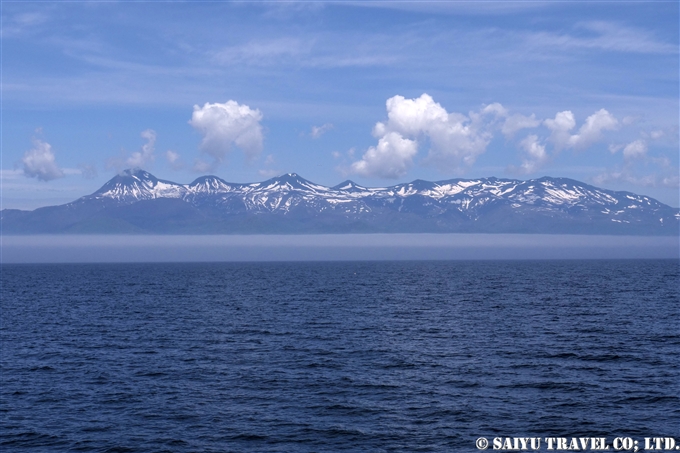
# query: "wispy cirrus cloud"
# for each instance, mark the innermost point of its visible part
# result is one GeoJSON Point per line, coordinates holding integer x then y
{"type": "Point", "coordinates": [602, 36]}
{"type": "Point", "coordinates": [264, 52]}
{"type": "Point", "coordinates": [453, 7]}
{"type": "Point", "coordinates": [313, 51]}
{"type": "Point", "coordinates": [318, 131]}
{"type": "Point", "coordinates": [19, 24]}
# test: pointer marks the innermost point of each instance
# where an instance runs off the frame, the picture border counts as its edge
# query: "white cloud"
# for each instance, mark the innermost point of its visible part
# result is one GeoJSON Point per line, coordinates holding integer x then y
{"type": "Point", "coordinates": [560, 127]}
{"type": "Point", "coordinates": [655, 135]}
{"type": "Point", "coordinates": [414, 116]}
{"type": "Point", "coordinates": [224, 126]}
{"type": "Point", "coordinates": [495, 108]}
{"type": "Point", "coordinates": [626, 175]}
{"type": "Point", "coordinates": [172, 156]}
{"type": "Point", "coordinates": [318, 131]}
{"type": "Point", "coordinates": [39, 162]}
{"type": "Point", "coordinates": [589, 133]}
{"type": "Point", "coordinates": [534, 154]}
{"type": "Point", "coordinates": [269, 161]}
{"type": "Point", "coordinates": [672, 181]}
{"type": "Point", "coordinates": [636, 160]}
{"type": "Point", "coordinates": [635, 150]}
{"type": "Point", "coordinates": [139, 159]}
{"type": "Point", "coordinates": [390, 159]}
{"type": "Point", "coordinates": [455, 139]}
{"type": "Point", "coordinates": [628, 120]}
{"type": "Point", "coordinates": [518, 122]}
{"type": "Point", "coordinates": [174, 159]}
{"type": "Point", "coordinates": [615, 148]}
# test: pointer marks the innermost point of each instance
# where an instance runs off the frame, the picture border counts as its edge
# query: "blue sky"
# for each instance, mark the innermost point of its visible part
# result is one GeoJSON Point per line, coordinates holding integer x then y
{"type": "Point", "coordinates": [377, 92]}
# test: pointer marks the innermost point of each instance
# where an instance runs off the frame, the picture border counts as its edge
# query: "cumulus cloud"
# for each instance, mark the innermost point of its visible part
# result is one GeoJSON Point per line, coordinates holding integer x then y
{"type": "Point", "coordinates": [560, 127]}
{"type": "Point", "coordinates": [518, 122]}
{"type": "Point", "coordinates": [534, 154]}
{"type": "Point", "coordinates": [224, 126]}
{"type": "Point", "coordinates": [495, 108]}
{"type": "Point", "coordinates": [318, 131]}
{"type": "Point", "coordinates": [139, 159]}
{"type": "Point", "coordinates": [390, 159]}
{"type": "Point", "coordinates": [455, 139]}
{"type": "Point", "coordinates": [174, 159]}
{"type": "Point", "coordinates": [172, 156]}
{"type": "Point", "coordinates": [635, 149]}
{"type": "Point", "coordinates": [636, 160]}
{"type": "Point", "coordinates": [589, 133]}
{"type": "Point", "coordinates": [626, 175]}
{"type": "Point", "coordinates": [39, 162]}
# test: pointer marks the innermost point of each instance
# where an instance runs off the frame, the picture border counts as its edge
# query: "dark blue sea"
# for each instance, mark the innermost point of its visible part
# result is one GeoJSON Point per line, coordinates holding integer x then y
{"type": "Point", "coordinates": [338, 356]}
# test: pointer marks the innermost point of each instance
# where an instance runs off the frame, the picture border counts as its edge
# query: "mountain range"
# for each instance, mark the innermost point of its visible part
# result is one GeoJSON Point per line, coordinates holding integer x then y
{"type": "Point", "coordinates": [136, 202]}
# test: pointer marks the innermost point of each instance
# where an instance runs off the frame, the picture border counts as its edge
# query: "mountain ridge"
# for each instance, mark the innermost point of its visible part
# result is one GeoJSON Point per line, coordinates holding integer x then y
{"type": "Point", "coordinates": [135, 201]}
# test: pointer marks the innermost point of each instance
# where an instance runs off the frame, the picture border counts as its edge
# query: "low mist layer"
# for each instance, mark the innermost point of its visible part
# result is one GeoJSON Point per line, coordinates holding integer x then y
{"type": "Point", "coordinates": [121, 248]}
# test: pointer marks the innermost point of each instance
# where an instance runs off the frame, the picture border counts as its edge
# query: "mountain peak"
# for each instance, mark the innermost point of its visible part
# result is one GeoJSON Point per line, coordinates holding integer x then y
{"type": "Point", "coordinates": [292, 179]}
{"type": "Point", "coordinates": [137, 173]}
{"type": "Point", "coordinates": [290, 203]}
{"type": "Point", "coordinates": [131, 185]}
{"type": "Point", "coordinates": [288, 177]}
{"type": "Point", "coordinates": [349, 186]}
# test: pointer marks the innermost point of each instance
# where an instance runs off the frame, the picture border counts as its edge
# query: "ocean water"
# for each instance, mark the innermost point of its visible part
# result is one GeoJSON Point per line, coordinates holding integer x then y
{"type": "Point", "coordinates": [338, 356]}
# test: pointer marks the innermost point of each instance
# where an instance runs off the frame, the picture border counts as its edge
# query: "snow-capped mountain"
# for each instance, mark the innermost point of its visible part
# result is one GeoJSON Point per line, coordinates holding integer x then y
{"type": "Point", "coordinates": [137, 201]}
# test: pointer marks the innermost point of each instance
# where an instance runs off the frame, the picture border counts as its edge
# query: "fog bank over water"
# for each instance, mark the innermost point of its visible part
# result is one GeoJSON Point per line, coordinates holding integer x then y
{"type": "Point", "coordinates": [121, 248]}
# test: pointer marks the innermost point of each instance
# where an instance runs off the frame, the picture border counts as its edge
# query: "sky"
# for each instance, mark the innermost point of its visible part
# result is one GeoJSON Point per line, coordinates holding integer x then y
{"type": "Point", "coordinates": [377, 92]}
